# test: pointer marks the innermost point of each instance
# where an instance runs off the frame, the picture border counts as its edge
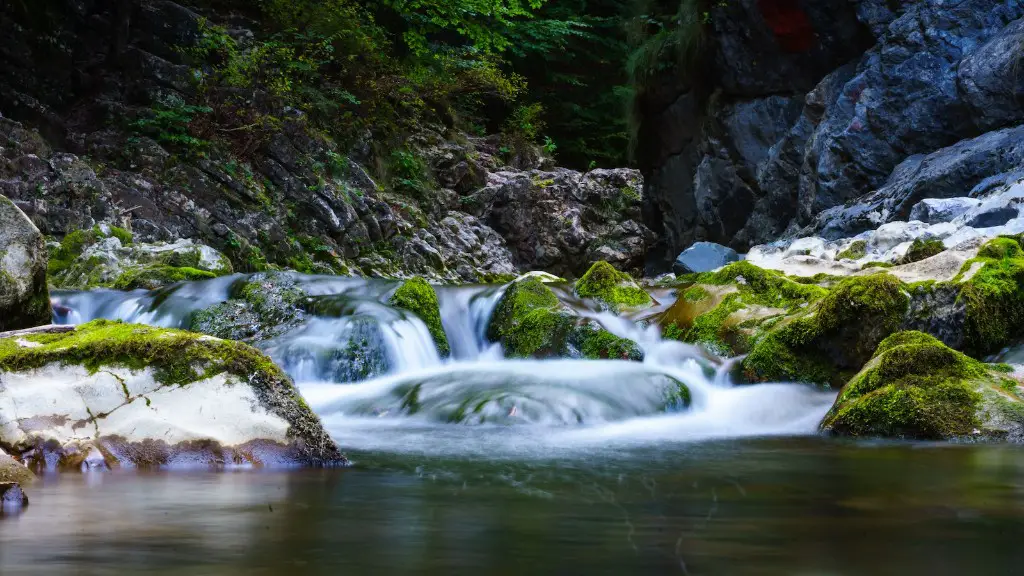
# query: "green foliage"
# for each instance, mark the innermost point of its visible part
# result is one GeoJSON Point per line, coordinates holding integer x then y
{"type": "Point", "coordinates": [993, 296]}
{"type": "Point", "coordinates": [171, 123]}
{"type": "Point", "coordinates": [922, 249]}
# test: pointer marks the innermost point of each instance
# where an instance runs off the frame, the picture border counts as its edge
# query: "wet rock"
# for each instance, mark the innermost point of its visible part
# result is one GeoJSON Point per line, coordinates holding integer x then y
{"type": "Point", "coordinates": [419, 297]}
{"type": "Point", "coordinates": [24, 296]}
{"type": "Point", "coordinates": [612, 289]}
{"type": "Point", "coordinates": [14, 471]}
{"type": "Point", "coordinates": [938, 210]}
{"type": "Point", "coordinates": [915, 387]}
{"type": "Point", "coordinates": [261, 307]}
{"type": "Point", "coordinates": [12, 497]}
{"type": "Point", "coordinates": [703, 257]}
{"type": "Point", "coordinates": [163, 398]}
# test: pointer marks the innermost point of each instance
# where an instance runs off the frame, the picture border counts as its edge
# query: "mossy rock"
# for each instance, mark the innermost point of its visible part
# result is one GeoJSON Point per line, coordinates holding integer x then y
{"type": "Point", "coordinates": [530, 322]}
{"type": "Point", "coordinates": [727, 310]}
{"type": "Point", "coordinates": [922, 249]}
{"type": "Point", "coordinates": [596, 343]}
{"type": "Point", "coordinates": [836, 337]}
{"type": "Point", "coordinates": [153, 277]}
{"type": "Point", "coordinates": [261, 307]}
{"type": "Point", "coordinates": [175, 360]}
{"type": "Point", "coordinates": [617, 291]}
{"type": "Point", "coordinates": [916, 387]}
{"type": "Point", "coordinates": [993, 296]}
{"type": "Point", "coordinates": [855, 251]}
{"type": "Point", "coordinates": [418, 297]}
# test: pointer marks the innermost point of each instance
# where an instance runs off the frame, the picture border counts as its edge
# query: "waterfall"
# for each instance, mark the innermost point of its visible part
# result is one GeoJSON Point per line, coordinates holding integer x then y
{"type": "Point", "coordinates": [374, 374]}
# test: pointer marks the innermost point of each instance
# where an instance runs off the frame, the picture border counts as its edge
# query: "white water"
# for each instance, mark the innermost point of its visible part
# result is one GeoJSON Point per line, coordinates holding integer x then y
{"type": "Point", "coordinates": [478, 402]}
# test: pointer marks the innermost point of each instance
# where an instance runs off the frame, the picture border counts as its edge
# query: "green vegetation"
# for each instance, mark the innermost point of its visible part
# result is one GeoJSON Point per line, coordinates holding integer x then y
{"type": "Point", "coordinates": [596, 343]}
{"type": "Point", "coordinates": [838, 335]}
{"type": "Point", "coordinates": [177, 358]}
{"type": "Point", "coordinates": [922, 249]}
{"type": "Point", "coordinates": [993, 296]}
{"type": "Point", "coordinates": [529, 321]}
{"type": "Point", "coordinates": [855, 251]}
{"type": "Point", "coordinates": [914, 387]}
{"type": "Point", "coordinates": [418, 296]}
{"type": "Point", "coordinates": [612, 288]}
{"type": "Point", "coordinates": [260, 308]}
{"type": "Point", "coordinates": [153, 277]}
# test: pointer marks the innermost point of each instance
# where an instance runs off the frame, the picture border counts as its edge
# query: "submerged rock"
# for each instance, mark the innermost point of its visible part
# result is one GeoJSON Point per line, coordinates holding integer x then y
{"type": "Point", "coordinates": [916, 387]}
{"type": "Point", "coordinates": [704, 257]}
{"type": "Point", "coordinates": [110, 394]}
{"type": "Point", "coordinates": [261, 307]}
{"type": "Point", "coordinates": [24, 297]}
{"type": "Point", "coordinates": [12, 496]}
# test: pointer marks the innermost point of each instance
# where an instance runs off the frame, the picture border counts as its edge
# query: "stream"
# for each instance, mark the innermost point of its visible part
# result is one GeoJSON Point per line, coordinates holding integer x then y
{"type": "Point", "coordinates": [508, 466]}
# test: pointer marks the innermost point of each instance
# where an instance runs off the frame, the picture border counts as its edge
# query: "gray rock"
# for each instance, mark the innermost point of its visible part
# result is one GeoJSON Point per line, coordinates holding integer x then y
{"type": "Point", "coordinates": [991, 82]}
{"type": "Point", "coordinates": [938, 210]}
{"type": "Point", "coordinates": [24, 296]}
{"type": "Point", "coordinates": [12, 496]}
{"type": "Point", "coordinates": [704, 257]}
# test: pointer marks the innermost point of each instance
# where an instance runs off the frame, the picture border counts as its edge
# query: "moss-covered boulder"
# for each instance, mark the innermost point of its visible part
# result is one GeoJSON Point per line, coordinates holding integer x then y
{"type": "Point", "coordinates": [106, 257]}
{"type": "Point", "coordinates": [728, 310]}
{"type": "Point", "coordinates": [24, 297]}
{"type": "Point", "coordinates": [594, 342]}
{"type": "Point", "coordinates": [529, 321]}
{"type": "Point", "coordinates": [614, 290]}
{"type": "Point", "coordinates": [992, 294]}
{"type": "Point", "coordinates": [261, 307]}
{"type": "Point", "coordinates": [916, 387]}
{"type": "Point", "coordinates": [418, 297]}
{"type": "Point", "coordinates": [136, 395]}
{"type": "Point", "coordinates": [834, 338]}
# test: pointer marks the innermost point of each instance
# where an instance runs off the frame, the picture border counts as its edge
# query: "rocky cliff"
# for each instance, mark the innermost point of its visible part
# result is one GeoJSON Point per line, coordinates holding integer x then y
{"type": "Point", "coordinates": [827, 115]}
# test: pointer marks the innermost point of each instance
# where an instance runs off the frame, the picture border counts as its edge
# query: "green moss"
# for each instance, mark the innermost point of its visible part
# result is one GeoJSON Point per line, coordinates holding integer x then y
{"type": "Point", "coordinates": [123, 235]}
{"type": "Point", "coordinates": [177, 358]}
{"type": "Point", "coordinates": [696, 294]}
{"type": "Point", "coordinates": [264, 306]}
{"type": "Point", "coordinates": [710, 328]}
{"type": "Point", "coordinates": [764, 287]}
{"type": "Point", "coordinates": [419, 297]}
{"type": "Point", "coordinates": [600, 344]}
{"type": "Point", "coordinates": [615, 289]}
{"type": "Point", "coordinates": [499, 278]}
{"type": "Point", "coordinates": [529, 321]}
{"type": "Point", "coordinates": [854, 251]}
{"type": "Point", "coordinates": [913, 387]}
{"type": "Point", "coordinates": [993, 297]}
{"type": "Point", "coordinates": [158, 275]}
{"type": "Point", "coordinates": [838, 335]}
{"type": "Point", "coordinates": [922, 249]}
{"type": "Point", "coordinates": [877, 265]}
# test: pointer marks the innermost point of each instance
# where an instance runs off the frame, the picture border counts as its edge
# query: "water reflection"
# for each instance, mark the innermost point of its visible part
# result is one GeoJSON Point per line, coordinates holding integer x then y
{"type": "Point", "coordinates": [779, 506]}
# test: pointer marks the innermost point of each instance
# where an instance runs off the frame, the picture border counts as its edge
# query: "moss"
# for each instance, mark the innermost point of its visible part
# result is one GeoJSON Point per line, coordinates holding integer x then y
{"type": "Point", "coordinates": [914, 387]}
{"type": "Point", "coordinates": [855, 251]}
{"type": "Point", "coordinates": [696, 294]}
{"type": "Point", "coordinates": [498, 278]}
{"type": "Point", "coordinates": [529, 321]}
{"type": "Point", "coordinates": [123, 235]}
{"type": "Point", "coordinates": [177, 357]}
{"type": "Point", "coordinates": [838, 335]}
{"type": "Point", "coordinates": [922, 249]}
{"type": "Point", "coordinates": [877, 265]}
{"type": "Point", "coordinates": [600, 344]}
{"type": "Point", "coordinates": [265, 306]}
{"type": "Point", "coordinates": [760, 286]}
{"type": "Point", "coordinates": [615, 289]}
{"type": "Point", "coordinates": [155, 276]}
{"type": "Point", "coordinates": [994, 297]}
{"type": "Point", "coordinates": [710, 328]}
{"type": "Point", "coordinates": [419, 297]}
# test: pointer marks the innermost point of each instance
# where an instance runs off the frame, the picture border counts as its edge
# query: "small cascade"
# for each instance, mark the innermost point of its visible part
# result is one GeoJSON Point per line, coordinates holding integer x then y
{"type": "Point", "coordinates": [374, 374]}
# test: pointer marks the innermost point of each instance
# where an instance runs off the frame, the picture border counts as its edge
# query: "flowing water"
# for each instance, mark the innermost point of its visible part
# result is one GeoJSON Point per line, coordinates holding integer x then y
{"type": "Point", "coordinates": [480, 464]}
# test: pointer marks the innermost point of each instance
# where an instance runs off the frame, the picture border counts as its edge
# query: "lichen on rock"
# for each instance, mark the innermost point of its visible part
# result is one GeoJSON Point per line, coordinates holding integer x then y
{"type": "Point", "coordinates": [418, 297]}
{"type": "Point", "coordinates": [613, 289]}
{"type": "Point", "coordinates": [154, 396]}
{"type": "Point", "coordinates": [916, 387]}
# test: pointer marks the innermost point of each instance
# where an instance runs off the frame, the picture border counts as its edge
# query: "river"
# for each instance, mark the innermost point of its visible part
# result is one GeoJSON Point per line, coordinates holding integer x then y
{"type": "Point", "coordinates": [515, 466]}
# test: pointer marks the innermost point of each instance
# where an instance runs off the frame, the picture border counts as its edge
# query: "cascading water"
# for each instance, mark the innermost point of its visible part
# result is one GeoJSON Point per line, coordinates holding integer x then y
{"type": "Point", "coordinates": [374, 375]}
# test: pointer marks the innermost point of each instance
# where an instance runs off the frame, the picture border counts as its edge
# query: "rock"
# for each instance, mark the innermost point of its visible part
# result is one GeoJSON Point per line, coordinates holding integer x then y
{"type": "Point", "coordinates": [990, 81]}
{"type": "Point", "coordinates": [12, 497]}
{"type": "Point", "coordinates": [559, 221]}
{"type": "Point", "coordinates": [704, 257]}
{"type": "Point", "coordinates": [938, 210]}
{"type": "Point", "coordinates": [613, 290]}
{"type": "Point", "coordinates": [530, 322]}
{"type": "Point", "coordinates": [24, 297]}
{"type": "Point", "coordinates": [261, 307]}
{"type": "Point", "coordinates": [13, 471]}
{"type": "Point", "coordinates": [162, 398]}
{"type": "Point", "coordinates": [915, 387]}
{"type": "Point", "coordinates": [419, 297]}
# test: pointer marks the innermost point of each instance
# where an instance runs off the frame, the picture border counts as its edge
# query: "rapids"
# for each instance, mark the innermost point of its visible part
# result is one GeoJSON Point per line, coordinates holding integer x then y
{"type": "Point", "coordinates": [477, 402]}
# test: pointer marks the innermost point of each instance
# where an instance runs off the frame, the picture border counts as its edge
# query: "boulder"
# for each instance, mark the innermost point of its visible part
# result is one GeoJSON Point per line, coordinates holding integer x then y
{"type": "Point", "coordinates": [24, 296]}
{"type": "Point", "coordinates": [419, 298]}
{"type": "Point", "coordinates": [110, 394]}
{"type": "Point", "coordinates": [260, 307]}
{"type": "Point", "coordinates": [704, 257]}
{"type": "Point", "coordinates": [938, 210]}
{"type": "Point", "coordinates": [13, 471]}
{"type": "Point", "coordinates": [12, 497]}
{"type": "Point", "coordinates": [916, 387]}
{"type": "Point", "coordinates": [612, 289]}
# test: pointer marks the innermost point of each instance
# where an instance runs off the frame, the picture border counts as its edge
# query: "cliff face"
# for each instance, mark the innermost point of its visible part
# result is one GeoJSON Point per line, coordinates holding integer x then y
{"type": "Point", "coordinates": [799, 107]}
